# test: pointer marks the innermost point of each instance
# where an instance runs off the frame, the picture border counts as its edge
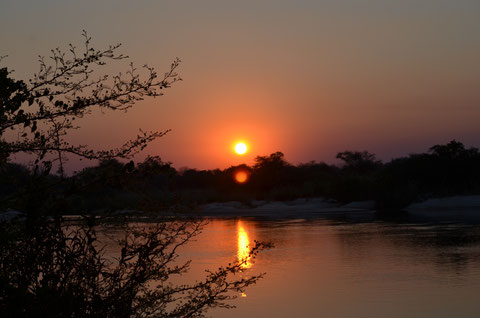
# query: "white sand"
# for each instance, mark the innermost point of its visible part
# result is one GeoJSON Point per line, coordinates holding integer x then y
{"type": "Point", "coordinates": [300, 208]}
{"type": "Point", "coordinates": [456, 202]}
{"type": "Point", "coordinates": [457, 208]}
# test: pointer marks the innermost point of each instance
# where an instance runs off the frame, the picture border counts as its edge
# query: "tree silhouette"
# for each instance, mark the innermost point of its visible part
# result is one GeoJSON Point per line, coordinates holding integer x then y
{"type": "Point", "coordinates": [453, 150]}
{"type": "Point", "coordinates": [51, 269]}
{"type": "Point", "coordinates": [67, 87]}
{"type": "Point", "coordinates": [58, 271]}
{"type": "Point", "coordinates": [360, 161]}
{"type": "Point", "coordinates": [274, 161]}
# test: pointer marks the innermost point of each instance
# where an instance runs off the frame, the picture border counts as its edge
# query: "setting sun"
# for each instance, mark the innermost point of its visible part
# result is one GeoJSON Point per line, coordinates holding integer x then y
{"type": "Point", "coordinates": [240, 148]}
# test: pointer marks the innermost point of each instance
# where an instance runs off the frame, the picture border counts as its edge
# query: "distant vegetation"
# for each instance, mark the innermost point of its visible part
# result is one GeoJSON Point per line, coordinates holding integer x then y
{"type": "Point", "coordinates": [444, 170]}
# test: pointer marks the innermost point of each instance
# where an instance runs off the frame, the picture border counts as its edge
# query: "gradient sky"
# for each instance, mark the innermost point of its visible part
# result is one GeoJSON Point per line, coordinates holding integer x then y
{"type": "Point", "coordinates": [308, 78]}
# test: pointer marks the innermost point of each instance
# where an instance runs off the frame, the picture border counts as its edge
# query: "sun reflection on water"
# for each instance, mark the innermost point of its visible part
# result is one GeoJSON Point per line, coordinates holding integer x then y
{"type": "Point", "coordinates": [243, 246]}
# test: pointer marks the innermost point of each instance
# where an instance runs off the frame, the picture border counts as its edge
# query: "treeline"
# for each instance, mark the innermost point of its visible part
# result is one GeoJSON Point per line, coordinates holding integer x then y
{"type": "Point", "coordinates": [444, 170]}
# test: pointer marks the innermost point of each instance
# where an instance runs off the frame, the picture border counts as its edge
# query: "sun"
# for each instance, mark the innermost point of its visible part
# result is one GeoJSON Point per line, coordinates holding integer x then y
{"type": "Point", "coordinates": [240, 148]}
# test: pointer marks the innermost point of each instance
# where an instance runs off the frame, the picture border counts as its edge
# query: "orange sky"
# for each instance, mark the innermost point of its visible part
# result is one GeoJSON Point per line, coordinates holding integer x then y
{"type": "Point", "coordinates": [308, 78]}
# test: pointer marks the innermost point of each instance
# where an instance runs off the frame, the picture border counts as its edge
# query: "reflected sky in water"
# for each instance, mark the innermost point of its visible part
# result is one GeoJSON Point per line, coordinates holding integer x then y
{"type": "Point", "coordinates": [321, 268]}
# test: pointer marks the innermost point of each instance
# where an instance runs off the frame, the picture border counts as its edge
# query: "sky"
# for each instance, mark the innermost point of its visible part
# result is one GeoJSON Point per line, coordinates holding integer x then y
{"type": "Point", "coordinates": [308, 78]}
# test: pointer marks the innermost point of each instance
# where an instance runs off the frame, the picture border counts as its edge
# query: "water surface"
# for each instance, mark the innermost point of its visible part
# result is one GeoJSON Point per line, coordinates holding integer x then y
{"type": "Point", "coordinates": [321, 268]}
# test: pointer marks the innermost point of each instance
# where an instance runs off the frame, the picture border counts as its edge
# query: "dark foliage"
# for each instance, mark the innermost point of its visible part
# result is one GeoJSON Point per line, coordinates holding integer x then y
{"type": "Point", "coordinates": [444, 170]}
{"type": "Point", "coordinates": [41, 113]}
{"type": "Point", "coordinates": [49, 268]}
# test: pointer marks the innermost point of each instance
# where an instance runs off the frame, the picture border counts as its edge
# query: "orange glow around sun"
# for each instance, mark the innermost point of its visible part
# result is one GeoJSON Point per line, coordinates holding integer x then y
{"type": "Point", "coordinates": [240, 148]}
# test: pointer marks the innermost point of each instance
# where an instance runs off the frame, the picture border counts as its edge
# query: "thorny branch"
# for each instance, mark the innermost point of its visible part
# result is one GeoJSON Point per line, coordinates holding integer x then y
{"type": "Point", "coordinates": [65, 89]}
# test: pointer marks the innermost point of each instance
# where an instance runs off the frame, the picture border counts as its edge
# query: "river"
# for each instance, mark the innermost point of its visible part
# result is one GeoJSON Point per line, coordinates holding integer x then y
{"type": "Point", "coordinates": [322, 268]}
{"type": "Point", "coordinates": [326, 268]}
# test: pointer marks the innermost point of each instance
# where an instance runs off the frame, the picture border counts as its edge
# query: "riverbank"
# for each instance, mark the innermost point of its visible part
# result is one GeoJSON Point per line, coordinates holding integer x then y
{"type": "Point", "coordinates": [449, 209]}
{"type": "Point", "coordinates": [457, 208]}
{"type": "Point", "coordinates": [300, 208]}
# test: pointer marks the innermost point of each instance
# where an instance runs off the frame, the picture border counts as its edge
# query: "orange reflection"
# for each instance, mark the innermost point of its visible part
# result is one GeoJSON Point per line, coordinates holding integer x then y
{"type": "Point", "coordinates": [241, 176]}
{"type": "Point", "coordinates": [243, 253]}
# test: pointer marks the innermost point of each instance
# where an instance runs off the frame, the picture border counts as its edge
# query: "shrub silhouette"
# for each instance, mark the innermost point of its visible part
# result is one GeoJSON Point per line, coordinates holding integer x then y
{"type": "Point", "coordinates": [51, 269]}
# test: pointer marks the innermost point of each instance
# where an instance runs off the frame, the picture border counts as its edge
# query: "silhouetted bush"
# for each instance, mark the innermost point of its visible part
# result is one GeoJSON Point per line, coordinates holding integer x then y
{"type": "Point", "coordinates": [49, 269]}
{"type": "Point", "coordinates": [52, 269]}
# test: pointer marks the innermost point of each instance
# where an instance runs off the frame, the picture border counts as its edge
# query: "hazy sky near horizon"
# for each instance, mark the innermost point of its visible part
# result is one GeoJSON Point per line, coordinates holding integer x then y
{"type": "Point", "coordinates": [308, 78]}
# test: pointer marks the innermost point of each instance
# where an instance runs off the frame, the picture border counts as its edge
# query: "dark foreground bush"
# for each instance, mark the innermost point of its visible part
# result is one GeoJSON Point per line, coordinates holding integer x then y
{"type": "Point", "coordinates": [48, 269]}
